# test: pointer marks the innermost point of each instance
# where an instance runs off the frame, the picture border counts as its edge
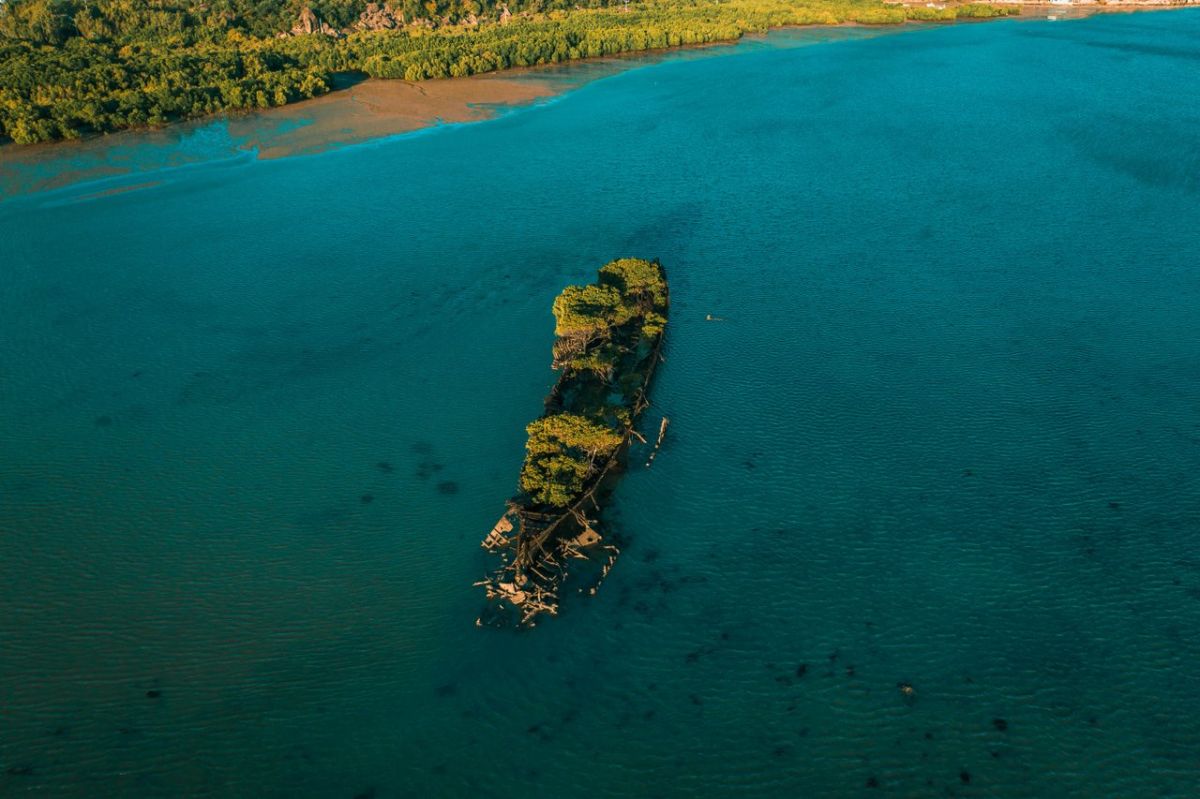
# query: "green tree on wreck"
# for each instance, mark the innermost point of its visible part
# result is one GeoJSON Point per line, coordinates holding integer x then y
{"type": "Point", "coordinates": [562, 453]}
{"type": "Point", "coordinates": [643, 291]}
{"type": "Point", "coordinates": [640, 282]}
{"type": "Point", "coordinates": [584, 316]}
{"type": "Point", "coordinates": [604, 332]}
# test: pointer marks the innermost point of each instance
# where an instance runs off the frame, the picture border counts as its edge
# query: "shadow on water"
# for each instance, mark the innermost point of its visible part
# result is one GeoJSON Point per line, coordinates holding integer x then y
{"type": "Point", "coordinates": [346, 80]}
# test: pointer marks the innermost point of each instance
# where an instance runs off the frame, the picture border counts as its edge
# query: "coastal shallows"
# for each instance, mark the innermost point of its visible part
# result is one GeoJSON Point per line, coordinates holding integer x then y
{"type": "Point", "coordinates": [70, 68]}
{"type": "Point", "coordinates": [609, 341]}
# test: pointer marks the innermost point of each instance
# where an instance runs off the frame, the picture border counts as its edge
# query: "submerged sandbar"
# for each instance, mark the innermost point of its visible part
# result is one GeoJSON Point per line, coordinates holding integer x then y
{"type": "Point", "coordinates": [376, 108]}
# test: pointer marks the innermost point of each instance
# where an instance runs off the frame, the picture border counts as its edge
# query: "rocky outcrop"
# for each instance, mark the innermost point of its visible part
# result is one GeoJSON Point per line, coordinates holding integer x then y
{"type": "Point", "coordinates": [310, 23]}
{"type": "Point", "coordinates": [379, 17]}
{"type": "Point", "coordinates": [383, 17]}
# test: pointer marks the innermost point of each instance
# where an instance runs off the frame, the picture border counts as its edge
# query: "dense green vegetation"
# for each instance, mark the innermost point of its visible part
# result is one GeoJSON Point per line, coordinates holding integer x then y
{"type": "Point", "coordinates": [966, 11]}
{"type": "Point", "coordinates": [562, 453]}
{"type": "Point", "coordinates": [606, 332]}
{"type": "Point", "coordinates": [72, 67]}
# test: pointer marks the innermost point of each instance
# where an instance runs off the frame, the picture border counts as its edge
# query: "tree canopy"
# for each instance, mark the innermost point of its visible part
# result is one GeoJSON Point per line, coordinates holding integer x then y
{"type": "Point", "coordinates": [640, 282]}
{"type": "Point", "coordinates": [561, 453]}
{"type": "Point", "coordinates": [587, 310]}
{"type": "Point", "coordinates": [586, 316]}
{"type": "Point", "coordinates": [605, 332]}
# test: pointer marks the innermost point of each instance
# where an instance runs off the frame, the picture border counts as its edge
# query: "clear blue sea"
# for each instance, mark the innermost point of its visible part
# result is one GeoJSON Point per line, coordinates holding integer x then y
{"type": "Point", "coordinates": [256, 416]}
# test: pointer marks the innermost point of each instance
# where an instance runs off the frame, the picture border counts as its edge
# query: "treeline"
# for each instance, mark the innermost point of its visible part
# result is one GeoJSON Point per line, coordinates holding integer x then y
{"type": "Point", "coordinates": [965, 11]}
{"type": "Point", "coordinates": [73, 67]}
{"type": "Point", "coordinates": [580, 34]}
{"type": "Point", "coordinates": [65, 92]}
{"type": "Point", "coordinates": [55, 21]}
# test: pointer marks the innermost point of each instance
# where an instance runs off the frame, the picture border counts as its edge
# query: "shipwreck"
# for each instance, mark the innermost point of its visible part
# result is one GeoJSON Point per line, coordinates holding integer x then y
{"type": "Point", "coordinates": [609, 338]}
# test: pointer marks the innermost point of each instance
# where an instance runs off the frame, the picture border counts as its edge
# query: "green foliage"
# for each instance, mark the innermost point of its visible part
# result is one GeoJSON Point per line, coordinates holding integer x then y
{"type": "Point", "coordinates": [640, 282]}
{"type": "Point", "coordinates": [561, 454]}
{"type": "Point", "coordinates": [950, 12]}
{"type": "Point", "coordinates": [554, 479]}
{"type": "Point", "coordinates": [551, 39]}
{"type": "Point", "coordinates": [587, 310]}
{"type": "Point", "coordinates": [927, 14]}
{"type": "Point", "coordinates": [601, 361]}
{"type": "Point", "coordinates": [598, 347]}
{"type": "Point", "coordinates": [73, 67]}
{"type": "Point", "coordinates": [587, 315]}
{"type": "Point", "coordinates": [571, 432]}
{"type": "Point", "coordinates": [583, 316]}
{"type": "Point", "coordinates": [985, 11]}
{"type": "Point", "coordinates": [653, 325]}
{"type": "Point", "coordinates": [84, 86]}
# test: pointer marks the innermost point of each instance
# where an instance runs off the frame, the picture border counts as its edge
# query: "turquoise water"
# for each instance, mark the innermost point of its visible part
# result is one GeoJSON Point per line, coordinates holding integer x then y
{"type": "Point", "coordinates": [257, 416]}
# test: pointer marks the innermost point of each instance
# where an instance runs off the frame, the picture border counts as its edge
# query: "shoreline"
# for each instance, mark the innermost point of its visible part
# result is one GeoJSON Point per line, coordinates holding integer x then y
{"type": "Point", "coordinates": [418, 105]}
{"type": "Point", "coordinates": [358, 112]}
{"type": "Point", "coordinates": [374, 108]}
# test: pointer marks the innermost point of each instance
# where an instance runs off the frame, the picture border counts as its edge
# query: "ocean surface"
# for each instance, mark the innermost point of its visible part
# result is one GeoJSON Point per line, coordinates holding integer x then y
{"type": "Point", "coordinates": [255, 417]}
